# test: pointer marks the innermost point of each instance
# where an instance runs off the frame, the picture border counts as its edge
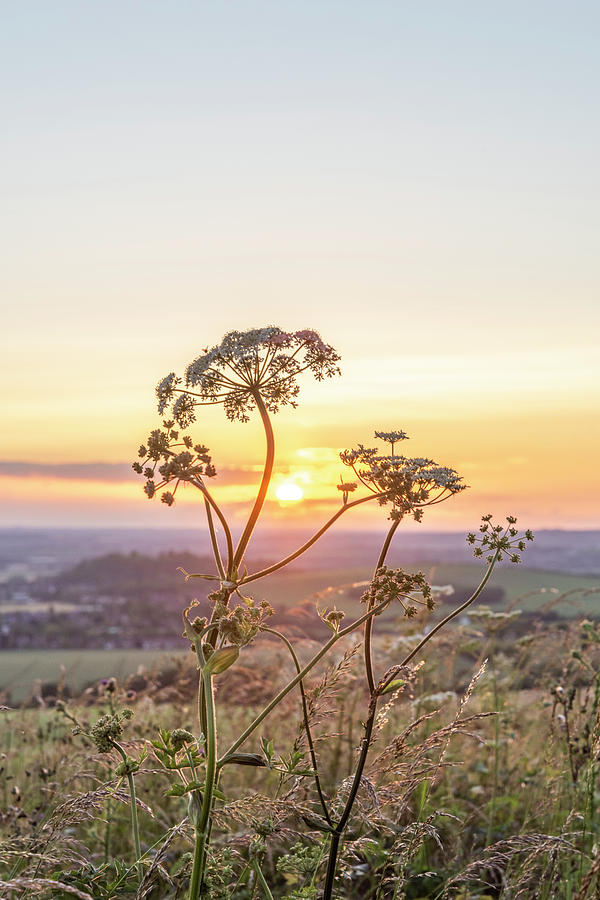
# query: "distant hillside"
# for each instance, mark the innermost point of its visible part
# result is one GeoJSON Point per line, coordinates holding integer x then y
{"type": "Point", "coordinates": [43, 552]}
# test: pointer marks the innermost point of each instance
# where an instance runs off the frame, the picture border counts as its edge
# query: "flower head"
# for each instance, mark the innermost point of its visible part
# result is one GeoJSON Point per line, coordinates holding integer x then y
{"type": "Point", "coordinates": [408, 588]}
{"type": "Point", "coordinates": [409, 484]}
{"type": "Point", "coordinates": [498, 540]}
{"type": "Point", "coordinates": [261, 362]}
{"type": "Point", "coordinates": [170, 458]}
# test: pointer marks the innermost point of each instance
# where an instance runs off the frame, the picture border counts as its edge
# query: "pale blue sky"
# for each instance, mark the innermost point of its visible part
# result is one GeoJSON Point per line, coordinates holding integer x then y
{"type": "Point", "coordinates": [418, 181]}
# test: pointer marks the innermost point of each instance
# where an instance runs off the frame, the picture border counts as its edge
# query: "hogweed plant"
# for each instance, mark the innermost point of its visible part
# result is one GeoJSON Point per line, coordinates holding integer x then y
{"type": "Point", "coordinates": [258, 371]}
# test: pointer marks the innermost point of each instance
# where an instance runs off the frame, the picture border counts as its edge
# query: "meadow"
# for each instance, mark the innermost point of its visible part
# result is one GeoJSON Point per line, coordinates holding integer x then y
{"type": "Point", "coordinates": [477, 787]}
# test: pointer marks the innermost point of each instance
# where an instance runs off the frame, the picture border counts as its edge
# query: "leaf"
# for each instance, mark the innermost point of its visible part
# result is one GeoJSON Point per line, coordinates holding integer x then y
{"type": "Point", "coordinates": [221, 660]}
{"type": "Point", "coordinates": [318, 823]}
{"type": "Point", "coordinates": [179, 790]}
{"type": "Point", "coordinates": [394, 685]}
{"type": "Point", "coordinates": [245, 759]}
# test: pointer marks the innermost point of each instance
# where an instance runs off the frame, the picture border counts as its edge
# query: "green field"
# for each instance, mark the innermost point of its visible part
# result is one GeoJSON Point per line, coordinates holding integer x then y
{"type": "Point", "coordinates": [516, 581]}
{"type": "Point", "coordinates": [21, 669]}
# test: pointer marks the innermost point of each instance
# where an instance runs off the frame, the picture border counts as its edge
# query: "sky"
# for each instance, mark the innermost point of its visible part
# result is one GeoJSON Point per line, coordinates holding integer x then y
{"type": "Point", "coordinates": [417, 182]}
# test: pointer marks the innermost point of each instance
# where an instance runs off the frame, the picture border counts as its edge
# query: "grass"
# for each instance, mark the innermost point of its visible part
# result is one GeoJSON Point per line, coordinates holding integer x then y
{"type": "Point", "coordinates": [468, 789]}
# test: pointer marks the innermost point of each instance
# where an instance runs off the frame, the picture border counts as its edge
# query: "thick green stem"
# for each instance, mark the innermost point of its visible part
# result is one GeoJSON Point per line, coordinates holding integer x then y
{"type": "Point", "coordinates": [261, 880]}
{"type": "Point", "coordinates": [202, 826]}
{"type": "Point", "coordinates": [107, 830]}
{"type": "Point", "coordinates": [134, 817]}
{"type": "Point", "coordinates": [134, 826]}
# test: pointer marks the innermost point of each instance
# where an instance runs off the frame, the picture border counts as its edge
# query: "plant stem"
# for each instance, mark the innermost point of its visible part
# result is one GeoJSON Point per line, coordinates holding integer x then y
{"type": "Point", "coordinates": [134, 826]}
{"type": "Point", "coordinates": [261, 880]}
{"type": "Point", "coordinates": [453, 614]}
{"type": "Point", "coordinates": [366, 741]}
{"type": "Point", "coordinates": [339, 829]}
{"type": "Point", "coordinates": [107, 830]}
{"type": "Point", "coordinates": [202, 826]}
{"type": "Point", "coordinates": [375, 691]}
{"type": "Point", "coordinates": [369, 622]}
{"type": "Point", "coordinates": [208, 497]}
{"type": "Point", "coordinates": [134, 817]}
{"type": "Point", "coordinates": [311, 541]}
{"type": "Point", "coordinates": [292, 684]}
{"type": "Point", "coordinates": [264, 484]}
{"type": "Point", "coordinates": [311, 746]}
{"type": "Point", "coordinates": [213, 540]}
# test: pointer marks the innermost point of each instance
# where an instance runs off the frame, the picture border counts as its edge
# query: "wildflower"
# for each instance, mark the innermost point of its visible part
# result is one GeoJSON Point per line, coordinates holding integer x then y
{"type": "Point", "coordinates": [346, 487]}
{"type": "Point", "coordinates": [498, 540]}
{"type": "Point", "coordinates": [261, 362]}
{"type": "Point", "coordinates": [108, 729]}
{"type": "Point", "coordinates": [163, 457]}
{"type": "Point", "coordinates": [409, 484]}
{"type": "Point", "coordinates": [391, 437]}
{"type": "Point", "coordinates": [407, 588]}
{"type": "Point", "coordinates": [180, 737]}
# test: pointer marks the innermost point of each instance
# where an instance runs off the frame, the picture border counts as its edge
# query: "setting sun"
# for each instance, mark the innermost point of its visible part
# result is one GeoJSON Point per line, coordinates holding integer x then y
{"type": "Point", "coordinates": [289, 491]}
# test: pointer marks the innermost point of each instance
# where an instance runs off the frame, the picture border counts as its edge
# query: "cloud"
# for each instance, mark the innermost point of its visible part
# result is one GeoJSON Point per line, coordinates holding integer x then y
{"type": "Point", "coordinates": [109, 472]}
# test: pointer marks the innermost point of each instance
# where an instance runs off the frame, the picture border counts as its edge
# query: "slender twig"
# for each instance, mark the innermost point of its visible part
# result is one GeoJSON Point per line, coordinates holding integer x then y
{"type": "Point", "coordinates": [213, 539]}
{"type": "Point", "coordinates": [310, 542]}
{"type": "Point", "coordinates": [292, 684]}
{"type": "Point", "coordinates": [311, 746]}
{"type": "Point", "coordinates": [453, 614]}
{"type": "Point", "coordinates": [228, 538]}
{"type": "Point", "coordinates": [368, 731]}
{"type": "Point", "coordinates": [369, 622]}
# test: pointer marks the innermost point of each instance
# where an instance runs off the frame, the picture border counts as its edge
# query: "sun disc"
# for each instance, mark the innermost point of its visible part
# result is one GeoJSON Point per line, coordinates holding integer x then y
{"type": "Point", "coordinates": [289, 491]}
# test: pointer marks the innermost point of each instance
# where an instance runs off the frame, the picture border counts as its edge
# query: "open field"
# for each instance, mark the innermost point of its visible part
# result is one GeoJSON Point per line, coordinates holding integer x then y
{"type": "Point", "coordinates": [21, 669]}
{"type": "Point", "coordinates": [485, 797]}
{"type": "Point", "coordinates": [573, 596]}
{"type": "Point", "coordinates": [514, 580]}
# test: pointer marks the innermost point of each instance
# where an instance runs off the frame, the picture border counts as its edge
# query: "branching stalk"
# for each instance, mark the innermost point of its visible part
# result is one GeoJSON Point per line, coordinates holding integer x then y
{"type": "Point", "coordinates": [309, 739]}
{"type": "Point", "coordinates": [302, 674]}
{"type": "Point", "coordinates": [310, 542]}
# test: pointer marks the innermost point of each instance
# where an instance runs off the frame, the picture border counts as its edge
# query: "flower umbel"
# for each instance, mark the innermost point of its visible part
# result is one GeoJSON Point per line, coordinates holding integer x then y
{"type": "Point", "coordinates": [192, 463]}
{"type": "Point", "coordinates": [499, 540]}
{"type": "Point", "coordinates": [408, 484]}
{"type": "Point", "coordinates": [261, 361]}
{"type": "Point", "coordinates": [408, 588]}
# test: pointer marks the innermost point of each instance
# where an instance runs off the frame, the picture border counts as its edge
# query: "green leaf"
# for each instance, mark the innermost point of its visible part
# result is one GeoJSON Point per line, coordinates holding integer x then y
{"type": "Point", "coordinates": [221, 660]}
{"type": "Point", "coordinates": [394, 685]}
{"type": "Point", "coordinates": [245, 759]}
{"type": "Point", "coordinates": [318, 823]}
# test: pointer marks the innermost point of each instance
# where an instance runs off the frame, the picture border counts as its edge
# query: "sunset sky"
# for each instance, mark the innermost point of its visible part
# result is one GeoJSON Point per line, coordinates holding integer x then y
{"type": "Point", "coordinates": [418, 182]}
